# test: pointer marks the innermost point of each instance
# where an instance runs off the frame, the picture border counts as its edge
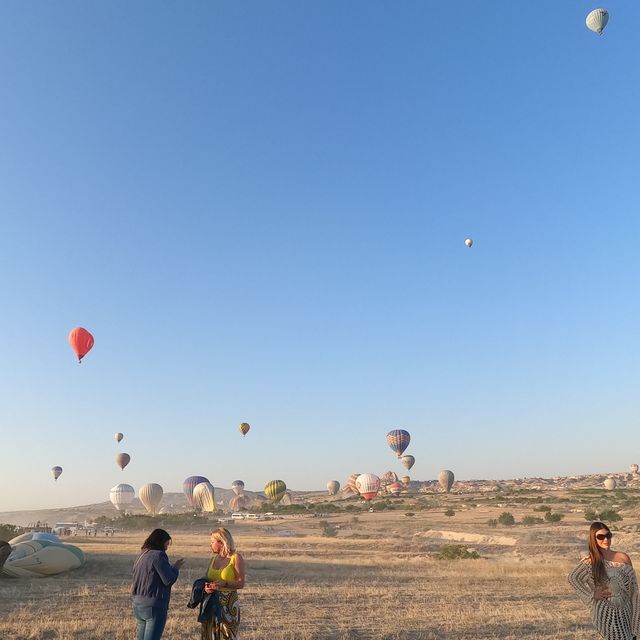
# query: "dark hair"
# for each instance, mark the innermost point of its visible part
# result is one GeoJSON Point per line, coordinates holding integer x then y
{"type": "Point", "coordinates": [157, 540]}
{"type": "Point", "coordinates": [598, 570]}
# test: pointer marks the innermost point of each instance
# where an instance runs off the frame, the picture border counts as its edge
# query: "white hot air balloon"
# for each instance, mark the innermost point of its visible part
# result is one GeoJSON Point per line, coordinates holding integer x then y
{"type": "Point", "coordinates": [150, 495]}
{"type": "Point", "coordinates": [634, 469]}
{"type": "Point", "coordinates": [610, 484]}
{"type": "Point", "coordinates": [597, 20]}
{"type": "Point", "coordinates": [368, 485]}
{"type": "Point", "coordinates": [122, 495]}
{"type": "Point", "coordinates": [204, 498]}
{"type": "Point", "coordinates": [469, 242]}
{"type": "Point", "coordinates": [332, 487]}
{"type": "Point", "coordinates": [118, 436]}
{"type": "Point", "coordinates": [446, 478]}
{"type": "Point", "coordinates": [238, 487]}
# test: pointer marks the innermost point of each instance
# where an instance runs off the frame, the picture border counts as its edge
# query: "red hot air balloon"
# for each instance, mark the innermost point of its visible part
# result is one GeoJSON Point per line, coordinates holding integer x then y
{"type": "Point", "coordinates": [81, 342]}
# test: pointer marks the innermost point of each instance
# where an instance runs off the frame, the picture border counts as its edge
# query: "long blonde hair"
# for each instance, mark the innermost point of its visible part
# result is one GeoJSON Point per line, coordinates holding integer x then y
{"type": "Point", "coordinates": [224, 535]}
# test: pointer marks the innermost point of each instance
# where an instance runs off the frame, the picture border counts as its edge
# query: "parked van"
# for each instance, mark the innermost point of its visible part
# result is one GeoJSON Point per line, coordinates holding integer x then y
{"type": "Point", "coordinates": [237, 516]}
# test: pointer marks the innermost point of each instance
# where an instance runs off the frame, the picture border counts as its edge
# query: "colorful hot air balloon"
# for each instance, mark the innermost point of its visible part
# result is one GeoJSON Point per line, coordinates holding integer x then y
{"type": "Point", "coordinates": [446, 478]}
{"type": "Point", "coordinates": [204, 498]}
{"type": "Point", "coordinates": [407, 461]}
{"type": "Point", "coordinates": [274, 490]}
{"type": "Point", "coordinates": [150, 495]}
{"type": "Point", "coordinates": [244, 428]}
{"type": "Point", "coordinates": [350, 484]}
{"type": "Point", "coordinates": [239, 502]}
{"type": "Point", "coordinates": [55, 472]}
{"type": "Point", "coordinates": [395, 488]}
{"type": "Point", "coordinates": [332, 487]}
{"type": "Point", "coordinates": [81, 342]}
{"type": "Point", "coordinates": [398, 440]}
{"type": "Point", "coordinates": [118, 436]}
{"type": "Point", "coordinates": [388, 478]}
{"type": "Point", "coordinates": [122, 495]}
{"type": "Point", "coordinates": [237, 487]}
{"type": "Point", "coordinates": [406, 481]}
{"type": "Point", "coordinates": [190, 484]}
{"type": "Point", "coordinates": [368, 485]}
{"type": "Point", "coordinates": [123, 459]}
{"type": "Point", "coordinates": [597, 20]}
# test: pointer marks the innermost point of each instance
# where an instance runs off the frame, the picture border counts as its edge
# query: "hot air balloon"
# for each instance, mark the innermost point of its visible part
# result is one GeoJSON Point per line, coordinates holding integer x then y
{"type": "Point", "coordinates": [150, 495]}
{"type": "Point", "coordinates": [388, 478]}
{"type": "Point", "coordinates": [398, 440]}
{"type": "Point", "coordinates": [118, 436]}
{"type": "Point", "coordinates": [395, 488]}
{"type": "Point", "coordinates": [597, 20]}
{"type": "Point", "coordinates": [55, 472]}
{"type": "Point", "coordinates": [274, 490]}
{"type": "Point", "coordinates": [350, 484]}
{"type": "Point", "coordinates": [203, 497]}
{"type": "Point", "coordinates": [634, 469]}
{"type": "Point", "coordinates": [190, 484]}
{"type": "Point", "coordinates": [446, 478]}
{"type": "Point", "coordinates": [123, 459]}
{"type": "Point", "coordinates": [122, 495]}
{"type": "Point", "coordinates": [237, 487]}
{"type": "Point", "coordinates": [610, 484]}
{"type": "Point", "coordinates": [368, 485]}
{"type": "Point", "coordinates": [81, 342]}
{"type": "Point", "coordinates": [469, 242]}
{"type": "Point", "coordinates": [407, 461]}
{"type": "Point", "coordinates": [406, 481]}
{"type": "Point", "coordinates": [332, 487]}
{"type": "Point", "coordinates": [239, 502]}
{"type": "Point", "coordinates": [244, 428]}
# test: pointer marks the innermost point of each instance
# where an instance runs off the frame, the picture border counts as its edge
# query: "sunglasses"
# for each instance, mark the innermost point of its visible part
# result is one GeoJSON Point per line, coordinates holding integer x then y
{"type": "Point", "coordinates": [604, 536]}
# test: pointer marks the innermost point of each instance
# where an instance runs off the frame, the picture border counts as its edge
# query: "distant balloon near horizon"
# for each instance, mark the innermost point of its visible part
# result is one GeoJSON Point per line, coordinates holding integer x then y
{"type": "Point", "coordinates": [610, 484]}
{"type": "Point", "coordinates": [395, 488]}
{"type": "Point", "coordinates": [239, 502]}
{"type": "Point", "coordinates": [406, 481]}
{"type": "Point", "coordinates": [237, 486]}
{"type": "Point", "coordinates": [407, 461]}
{"type": "Point", "coordinates": [368, 485]}
{"type": "Point", "coordinates": [118, 436]}
{"type": "Point", "coordinates": [597, 20]}
{"type": "Point", "coordinates": [56, 471]}
{"type": "Point", "coordinates": [122, 495]}
{"type": "Point", "coordinates": [469, 242]}
{"type": "Point", "coordinates": [244, 428]}
{"type": "Point", "coordinates": [81, 342]}
{"type": "Point", "coordinates": [150, 495]}
{"type": "Point", "coordinates": [398, 440]}
{"type": "Point", "coordinates": [350, 484]}
{"type": "Point", "coordinates": [634, 469]}
{"type": "Point", "coordinates": [190, 484]}
{"type": "Point", "coordinates": [333, 486]}
{"type": "Point", "coordinates": [204, 497]}
{"type": "Point", "coordinates": [446, 478]}
{"type": "Point", "coordinates": [275, 490]}
{"type": "Point", "coordinates": [123, 459]}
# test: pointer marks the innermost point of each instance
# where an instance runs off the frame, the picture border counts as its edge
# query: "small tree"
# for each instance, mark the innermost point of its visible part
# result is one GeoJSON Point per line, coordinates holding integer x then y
{"type": "Point", "coordinates": [449, 513]}
{"type": "Point", "coordinates": [590, 515]}
{"type": "Point", "coordinates": [610, 516]}
{"type": "Point", "coordinates": [328, 530]}
{"type": "Point", "coordinates": [506, 519]}
{"type": "Point", "coordinates": [553, 517]}
{"type": "Point", "coordinates": [456, 552]}
{"type": "Point", "coordinates": [529, 520]}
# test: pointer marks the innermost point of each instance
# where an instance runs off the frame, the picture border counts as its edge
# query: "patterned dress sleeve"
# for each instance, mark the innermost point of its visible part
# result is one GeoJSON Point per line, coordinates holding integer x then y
{"type": "Point", "coordinates": [635, 605]}
{"type": "Point", "coordinates": [581, 582]}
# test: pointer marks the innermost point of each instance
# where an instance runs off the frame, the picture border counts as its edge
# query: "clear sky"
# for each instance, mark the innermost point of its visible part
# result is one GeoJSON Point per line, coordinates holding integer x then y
{"type": "Point", "coordinates": [259, 210]}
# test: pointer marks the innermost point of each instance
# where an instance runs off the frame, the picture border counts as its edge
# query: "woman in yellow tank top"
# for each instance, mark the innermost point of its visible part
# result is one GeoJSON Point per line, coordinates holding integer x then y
{"type": "Point", "coordinates": [224, 575]}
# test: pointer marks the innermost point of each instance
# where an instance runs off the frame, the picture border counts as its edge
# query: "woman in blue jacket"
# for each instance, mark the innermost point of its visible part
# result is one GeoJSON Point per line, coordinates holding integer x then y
{"type": "Point", "coordinates": [153, 576]}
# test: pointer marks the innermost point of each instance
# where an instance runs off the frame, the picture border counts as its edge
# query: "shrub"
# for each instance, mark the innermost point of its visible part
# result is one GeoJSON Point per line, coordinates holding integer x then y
{"type": "Point", "coordinates": [449, 513]}
{"type": "Point", "coordinates": [506, 519]}
{"type": "Point", "coordinates": [493, 523]}
{"type": "Point", "coordinates": [553, 517]}
{"type": "Point", "coordinates": [328, 530]}
{"type": "Point", "coordinates": [610, 516]}
{"type": "Point", "coordinates": [529, 520]}
{"type": "Point", "coordinates": [590, 515]}
{"type": "Point", "coordinates": [456, 552]}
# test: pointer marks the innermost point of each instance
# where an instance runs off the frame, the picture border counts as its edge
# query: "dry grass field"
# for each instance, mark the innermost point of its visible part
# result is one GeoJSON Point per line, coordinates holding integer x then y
{"type": "Point", "coordinates": [377, 579]}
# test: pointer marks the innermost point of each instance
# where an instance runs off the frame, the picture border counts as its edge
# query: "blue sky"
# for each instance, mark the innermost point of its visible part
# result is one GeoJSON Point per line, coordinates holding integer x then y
{"type": "Point", "coordinates": [259, 210]}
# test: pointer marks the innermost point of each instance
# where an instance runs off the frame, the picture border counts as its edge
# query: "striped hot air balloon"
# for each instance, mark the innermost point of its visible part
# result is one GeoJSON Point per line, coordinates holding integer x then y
{"type": "Point", "coordinates": [244, 428]}
{"type": "Point", "coordinates": [275, 490]}
{"type": "Point", "coordinates": [395, 488]}
{"type": "Point", "coordinates": [204, 497]}
{"type": "Point", "coordinates": [122, 495]}
{"type": "Point", "coordinates": [446, 478]}
{"type": "Point", "coordinates": [597, 20]}
{"type": "Point", "coordinates": [398, 440]}
{"type": "Point", "coordinates": [350, 484]}
{"type": "Point", "coordinates": [150, 495]}
{"type": "Point", "coordinates": [190, 484]}
{"type": "Point", "coordinates": [239, 502]}
{"type": "Point", "coordinates": [368, 485]}
{"type": "Point", "coordinates": [406, 481]}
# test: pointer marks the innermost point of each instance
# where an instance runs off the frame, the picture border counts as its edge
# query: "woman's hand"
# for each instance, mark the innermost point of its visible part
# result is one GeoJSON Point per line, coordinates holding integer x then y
{"type": "Point", "coordinates": [601, 593]}
{"type": "Point", "coordinates": [210, 587]}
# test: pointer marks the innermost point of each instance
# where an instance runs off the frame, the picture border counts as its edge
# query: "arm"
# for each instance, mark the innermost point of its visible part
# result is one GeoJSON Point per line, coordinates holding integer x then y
{"type": "Point", "coordinates": [635, 605]}
{"type": "Point", "coordinates": [581, 582]}
{"type": "Point", "coordinates": [167, 572]}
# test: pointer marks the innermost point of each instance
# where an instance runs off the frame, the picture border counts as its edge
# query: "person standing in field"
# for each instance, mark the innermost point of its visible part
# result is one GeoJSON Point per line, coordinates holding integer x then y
{"type": "Point", "coordinates": [153, 576]}
{"type": "Point", "coordinates": [225, 575]}
{"type": "Point", "coordinates": [606, 582]}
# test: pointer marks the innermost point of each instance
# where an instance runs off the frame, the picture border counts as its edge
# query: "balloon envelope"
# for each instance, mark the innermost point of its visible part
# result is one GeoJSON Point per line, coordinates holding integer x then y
{"type": "Point", "coordinates": [446, 478]}
{"type": "Point", "coordinates": [39, 556]}
{"type": "Point", "coordinates": [238, 487]}
{"type": "Point", "coordinates": [204, 497]}
{"type": "Point", "coordinates": [398, 440]}
{"type": "Point", "coordinates": [56, 471]}
{"type": "Point", "coordinates": [239, 502]}
{"type": "Point", "coordinates": [275, 490]}
{"type": "Point", "coordinates": [469, 242]}
{"type": "Point", "coordinates": [190, 484]}
{"type": "Point", "coordinates": [123, 459]}
{"type": "Point", "coordinates": [368, 485]}
{"type": "Point", "coordinates": [634, 468]}
{"type": "Point", "coordinates": [332, 487]}
{"type": "Point", "coordinates": [118, 436]}
{"type": "Point", "coordinates": [122, 495]}
{"type": "Point", "coordinates": [610, 484]}
{"type": "Point", "coordinates": [350, 484]}
{"type": "Point", "coordinates": [406, 481]}
{"type": "Point", "coordinates": [244, 428]}
{"type": "Point", "coordinates": [150, 495]}
{"type": "Point", "coordinates": [597, 20]}
{"type": "Point", "coordinates": [407, 461]}
{"type": "Point", "coordinates": [81, 342]}
{"type": "Point", "coordinates": [395, 488]}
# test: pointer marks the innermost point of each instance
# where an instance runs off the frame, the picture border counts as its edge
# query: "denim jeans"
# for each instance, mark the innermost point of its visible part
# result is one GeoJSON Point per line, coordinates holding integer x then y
{"type": "Point", "coordinates": [151, 621]}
